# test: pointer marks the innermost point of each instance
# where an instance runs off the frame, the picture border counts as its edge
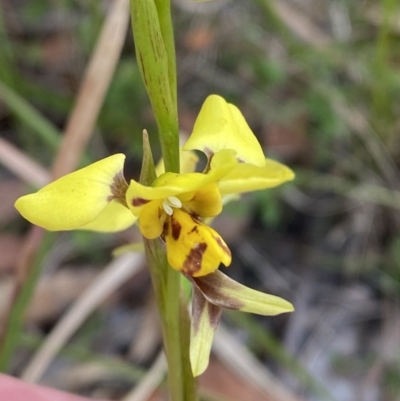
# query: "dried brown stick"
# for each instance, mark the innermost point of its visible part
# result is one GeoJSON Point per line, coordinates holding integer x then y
{"type": "Point", "coordinates": [21, 165]}
{"type": "Point", "coordinates": [112, 277]}
{"type": "Point", "coordinates": [85, 112]}
{"type": "Point", "coordinates": [93, 89]}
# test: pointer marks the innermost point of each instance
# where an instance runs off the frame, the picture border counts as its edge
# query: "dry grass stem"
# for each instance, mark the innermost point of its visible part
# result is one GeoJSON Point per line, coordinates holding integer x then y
{"type": "Point", "coordinates": [150, 382]}
{"type": "Point", "coordinates": [21, 165]}
{"type": "Point", "coordinates": [93, 89]}
{"type": "Point", "coordinates": [247, 366]}
{"type": "Point", "coordinates": [300, 24]}
{"type": "Point", "coordinates": [118, 271]}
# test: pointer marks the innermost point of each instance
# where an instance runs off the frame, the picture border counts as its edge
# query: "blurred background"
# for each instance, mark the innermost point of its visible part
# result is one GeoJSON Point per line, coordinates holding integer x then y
{"type": "Point", "coordinates": [319, 84]}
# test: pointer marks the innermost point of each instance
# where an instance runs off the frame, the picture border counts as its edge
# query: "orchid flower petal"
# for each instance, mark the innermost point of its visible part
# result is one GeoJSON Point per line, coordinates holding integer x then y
{"type": "Point", "coordinates": [172, 184]}
{"type": "Point", "coordinates": [150, 221]}
{"type": "Point", "coordinates": [193, 247]}
{"type": "Point", "coordinates": [205, 319]}
{"type": "Point", "coordinates": [114, 217]}
{"type": "Point", "coordinates": [247, 177]}
{"type": "Point", "coordinates": [224, 292]}
{"type": "Point", "coordinates": [75, 199]}
{"type": "Point", "coordinates": [205, 202]}
{"type": "Point", "coordinates": [221, 125]}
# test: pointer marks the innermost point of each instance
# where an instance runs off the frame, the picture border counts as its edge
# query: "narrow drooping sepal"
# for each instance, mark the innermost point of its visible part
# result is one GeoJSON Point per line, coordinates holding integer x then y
{"type": "Point", "coordinates": [224, 292]}
{"type": "Point", "coordinates": [248, 177]}
{"type": "Point", "coordinates": [77, 199]}
{"type": "Point", "coordinates": [205, 319]}
{"type": "Point", "coordinates": [221, 125]}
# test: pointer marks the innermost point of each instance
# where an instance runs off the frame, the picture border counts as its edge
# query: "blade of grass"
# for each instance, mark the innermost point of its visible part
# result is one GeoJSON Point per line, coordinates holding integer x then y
{"type": "Point", "coordinates": [30, 116]}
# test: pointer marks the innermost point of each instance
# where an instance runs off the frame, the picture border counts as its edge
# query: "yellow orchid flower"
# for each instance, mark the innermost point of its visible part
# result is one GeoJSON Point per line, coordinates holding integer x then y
{"type": "Point", "coordinates": [98, 198]}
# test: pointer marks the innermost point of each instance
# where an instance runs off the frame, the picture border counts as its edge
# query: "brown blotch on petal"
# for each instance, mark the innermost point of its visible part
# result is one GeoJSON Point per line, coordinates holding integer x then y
{"type": "Point", "coordinates": [175, 228]}
{"type": "Point", "coordinates": [118, 188]}
{"type": "Point", "coordinates": [194, 230]}
{"type": "Point", "coordinates": [199, 303]}
{"type": "Point", "coordinates": [212, 286]}
{"type": "Point", "coordinates": [139, 202]}
{"type": "Point", "coordinates": [223, 246]}
{"type": "Point", "coordinates": [193, 261]}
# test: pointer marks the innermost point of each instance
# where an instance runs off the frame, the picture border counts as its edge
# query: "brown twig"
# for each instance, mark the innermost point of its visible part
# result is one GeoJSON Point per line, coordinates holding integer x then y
{"type": "Point", "coordinates": [78, 130]}
{"type": "Point", "coordinates": [21, 165]}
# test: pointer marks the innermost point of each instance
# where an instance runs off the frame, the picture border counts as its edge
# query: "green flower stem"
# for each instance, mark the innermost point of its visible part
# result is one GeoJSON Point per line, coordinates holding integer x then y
{"type": "Point", "coordinates": [175, 323]}
{"type": "Point", "coordinates": [167, 32]}
{"type": "Point", "coordinates": [171, 305]}
{"type": "Point", "coordinates": [152, 31]}
{"type": "Point", "coordinates": [155, 54]}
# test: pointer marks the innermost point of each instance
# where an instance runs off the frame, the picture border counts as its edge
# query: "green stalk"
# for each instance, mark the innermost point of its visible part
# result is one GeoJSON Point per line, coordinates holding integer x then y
{"type": "Point", "coordinates": [171, 305]}
{"type": "Point", "coordinates": [167, 32]}
{"type": "Point", "coordinates": [155, 54]}
{"type": "Point", "coordinates": [158, 72]}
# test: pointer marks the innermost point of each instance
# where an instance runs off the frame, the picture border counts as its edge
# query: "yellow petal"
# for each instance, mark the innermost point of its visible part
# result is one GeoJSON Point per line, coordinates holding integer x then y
{"type": "Point", "coordinates": [151, 220]}
{"type": "Point", "coordinates": [193, 247]}
{"type": "Point", "coordinates": [205, 202]}
{"type": "Point", "coordinates": [246, 177]}
{"type": "Point", "coordinates": [114, 217]}
{"type": "Point", "coordinates": [220, 125]}
{"type": "Point", "coordinates": [172, 184]}
{"type": "Point", "coordinates": [76, 199]}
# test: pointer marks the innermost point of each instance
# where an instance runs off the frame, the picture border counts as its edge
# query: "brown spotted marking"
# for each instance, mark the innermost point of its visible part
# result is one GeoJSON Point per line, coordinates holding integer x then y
{"type": "Point", "coordinates": [175, 228]}
{"type": "Point", "coordinates": [214, 287]}
{"type": "Point", "coordinates": [194, 230]}
{"type": "Point", "coordinates": [223, 246]}
{"type": "Point", "coordinates": [118, 188]}
{"type": "Point", "coordinates": [139, 202]}
{"type": "Point", "coordinates": [193, 261]}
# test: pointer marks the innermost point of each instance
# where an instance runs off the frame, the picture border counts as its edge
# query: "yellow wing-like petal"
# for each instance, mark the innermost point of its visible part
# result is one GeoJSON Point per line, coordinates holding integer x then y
{"type": "Point", "coordinates": [220, 125]}
{"type": "Point", "coordinates": [114, 217]}
{"type": "Point", "coordinates": [247, 177]}
{"type": "Point", "coordinates": [152, 219]}
{"type": "Point", "coordinates": [172, 184]}
{"type": "Point", "coordinates": [76, 199]}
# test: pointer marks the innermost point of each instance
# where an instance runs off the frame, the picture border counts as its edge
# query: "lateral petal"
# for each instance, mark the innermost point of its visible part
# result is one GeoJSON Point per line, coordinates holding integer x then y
{"type": "Point", "coordinates": [75, 199]}
{"type": "Point", "coordinates": [114, 217]}
{"type": "Point", "coordinates": [247, 177]}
